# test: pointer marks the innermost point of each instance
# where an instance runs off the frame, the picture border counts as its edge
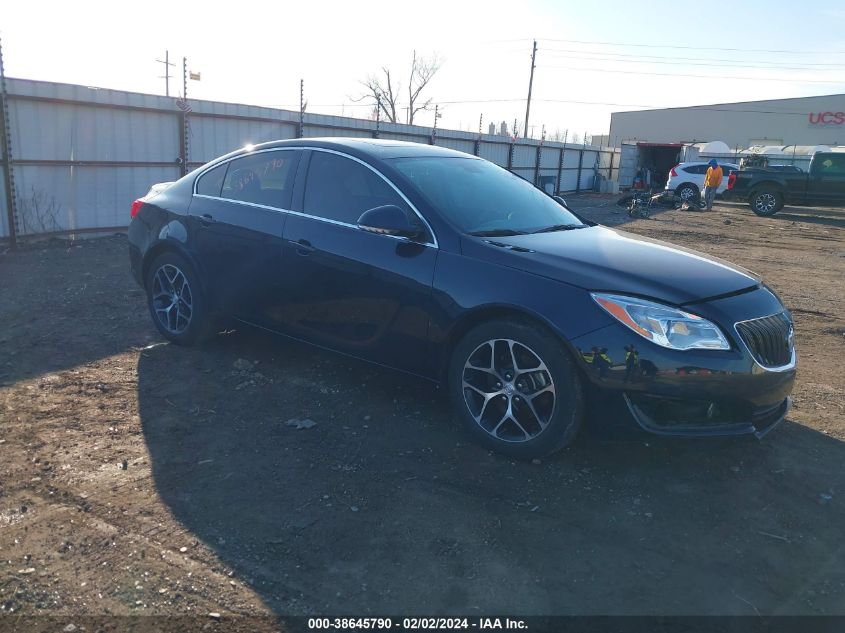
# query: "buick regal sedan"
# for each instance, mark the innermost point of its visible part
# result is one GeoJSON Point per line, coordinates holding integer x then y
{"type": "Point", "coordinates": [443, 265]}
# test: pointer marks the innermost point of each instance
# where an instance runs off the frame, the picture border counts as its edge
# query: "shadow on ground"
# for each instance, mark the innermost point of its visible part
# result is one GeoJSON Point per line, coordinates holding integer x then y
{"type": "Point", "coordinates": [384, 507]}
{"type": "Point", "coordinates": [64, 304]}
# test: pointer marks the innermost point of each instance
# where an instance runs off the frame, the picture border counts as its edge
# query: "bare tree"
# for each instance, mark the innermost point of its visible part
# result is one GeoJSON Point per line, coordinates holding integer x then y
{"type": "Point", "coordinates": [383, 90]}
{"type": "Point", "coordinates": [422, 72]}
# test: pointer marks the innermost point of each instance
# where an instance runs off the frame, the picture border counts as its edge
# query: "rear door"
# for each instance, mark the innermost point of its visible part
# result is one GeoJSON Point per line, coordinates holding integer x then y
{"type": "Point", "coordinates": [237, 217]}
{"type": "Point", "coordinates": [365, 294]}
{"type": "Point", "coordinates": [826, 182]}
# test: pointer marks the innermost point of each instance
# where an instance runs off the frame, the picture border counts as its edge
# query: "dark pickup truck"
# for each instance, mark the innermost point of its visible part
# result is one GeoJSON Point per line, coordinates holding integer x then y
{"type": "Point", "coordinates": [767, 190]}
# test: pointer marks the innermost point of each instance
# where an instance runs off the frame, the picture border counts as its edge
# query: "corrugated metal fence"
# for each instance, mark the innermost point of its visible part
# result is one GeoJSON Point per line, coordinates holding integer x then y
{"type": "Point", "coordinates": [81, 155]}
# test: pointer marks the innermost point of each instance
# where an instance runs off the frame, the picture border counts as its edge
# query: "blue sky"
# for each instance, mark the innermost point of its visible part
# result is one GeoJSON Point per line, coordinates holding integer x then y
{"type": "Point", "coordinates": [593, 57]}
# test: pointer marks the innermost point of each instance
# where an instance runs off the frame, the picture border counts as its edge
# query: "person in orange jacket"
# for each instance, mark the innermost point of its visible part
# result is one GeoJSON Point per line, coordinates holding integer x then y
{"type": "Point", "coordinates": [712, 180]}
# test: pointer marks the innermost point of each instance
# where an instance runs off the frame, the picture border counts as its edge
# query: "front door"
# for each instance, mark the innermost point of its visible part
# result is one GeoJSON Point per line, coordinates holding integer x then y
{"type": "Point", "coordinates": [361, 293]}
{"type": "Point", "coordinates": [826, 182]}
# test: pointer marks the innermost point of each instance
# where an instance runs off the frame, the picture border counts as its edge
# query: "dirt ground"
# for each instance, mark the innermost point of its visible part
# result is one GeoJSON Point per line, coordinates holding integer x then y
{"type": "Point", "coordinates": [137, 477]}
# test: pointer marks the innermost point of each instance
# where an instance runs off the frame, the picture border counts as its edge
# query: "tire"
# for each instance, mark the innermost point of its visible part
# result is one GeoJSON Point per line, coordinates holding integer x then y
{"type": "Point", "coordinates": [530, 413]}
{"type": "Point", "coordinates": [171, 281]}
{"type": "Point", "coordinates": [687, 192]}
{"type": "Point", "coordinates": [766, 202]}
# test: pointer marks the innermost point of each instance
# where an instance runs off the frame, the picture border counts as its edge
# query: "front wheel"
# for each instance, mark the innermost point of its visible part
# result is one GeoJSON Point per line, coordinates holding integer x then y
{"type": "Point", "coordinates": [766, 202]}
{"type": "Point", "coordinates": [515, 388]}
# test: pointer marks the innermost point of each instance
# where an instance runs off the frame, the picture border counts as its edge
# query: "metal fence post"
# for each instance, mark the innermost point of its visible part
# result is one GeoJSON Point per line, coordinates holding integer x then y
{"type": "Point", "coordinates": [580, 163]}
{"type": "Point", "coordinates": [610, 170]}
{"type": "Point", "coordinates": [510, 154]}
{"type": "Point", "coordinates": [559, 170]}
{"type": "Point", "coordinates": [537, 165]}
{"type": "Point", "coordinates": [183, 121]}
{"type": "Point", "coordinates": [8, 177]}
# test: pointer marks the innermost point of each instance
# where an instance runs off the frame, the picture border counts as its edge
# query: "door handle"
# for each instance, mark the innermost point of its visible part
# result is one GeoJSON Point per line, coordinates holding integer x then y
{"type": "Point", "coordinates": [303, 247]}
{"type": "Point", "coordinates": [206, 218]}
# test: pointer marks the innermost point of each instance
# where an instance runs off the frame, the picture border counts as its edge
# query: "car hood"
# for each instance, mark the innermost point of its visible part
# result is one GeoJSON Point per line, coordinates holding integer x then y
{"type": "Point", "coordinates": [601, 258]}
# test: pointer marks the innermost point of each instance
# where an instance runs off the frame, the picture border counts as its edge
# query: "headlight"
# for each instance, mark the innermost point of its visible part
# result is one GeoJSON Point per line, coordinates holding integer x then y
{"type": "Point", "coordinates": [664, 325]}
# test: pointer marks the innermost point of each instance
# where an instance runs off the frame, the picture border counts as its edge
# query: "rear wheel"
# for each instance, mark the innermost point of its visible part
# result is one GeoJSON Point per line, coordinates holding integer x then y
{"type": "Point", "coordinates": [687, 192]}
{"type": "Point", "coordinates": [766, 202]}
{"type": "Point", "coordinates": [515, 389]}
{"type": "Point", "coordinates": [176, 301]}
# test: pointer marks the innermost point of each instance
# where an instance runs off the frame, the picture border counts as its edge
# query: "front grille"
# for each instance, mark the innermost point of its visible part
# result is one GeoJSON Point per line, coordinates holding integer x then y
{"type": "Point", "coordinates": [769, 339]}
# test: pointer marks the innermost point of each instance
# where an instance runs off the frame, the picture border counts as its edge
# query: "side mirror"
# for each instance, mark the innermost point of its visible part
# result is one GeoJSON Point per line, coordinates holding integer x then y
{"type": "Point", "coordinates": [389, 220]}
{"type": "Point", "coordinates": [560, 201]}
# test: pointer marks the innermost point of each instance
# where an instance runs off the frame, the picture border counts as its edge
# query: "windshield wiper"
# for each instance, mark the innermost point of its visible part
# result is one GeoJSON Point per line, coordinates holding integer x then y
{"type": "Point", "coordinates": [497, 233]}
{"type": "Point", "coordinates": [560, 227]}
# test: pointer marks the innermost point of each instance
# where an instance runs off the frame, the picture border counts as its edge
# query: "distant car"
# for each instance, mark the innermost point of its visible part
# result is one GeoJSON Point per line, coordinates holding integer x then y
{"type": "Point", "coordinates": [687, 179]}
{"type": "Point", "coordinates": [443, 265]}
{"type": "Point", "coordinates": [768, 189]}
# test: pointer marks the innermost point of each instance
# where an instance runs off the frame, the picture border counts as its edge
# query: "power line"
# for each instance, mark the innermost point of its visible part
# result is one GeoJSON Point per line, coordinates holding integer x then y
{"type": "Point", "coordinates": [682, 63]}
{"type": "Point", "coordinates": [629, 72]}
{"type": "Point", "coordinates": [554, 52]}
{"type": "Point", "coordinates": [713, 108]}
{"type": "Point", "coordinates": [699, 48]}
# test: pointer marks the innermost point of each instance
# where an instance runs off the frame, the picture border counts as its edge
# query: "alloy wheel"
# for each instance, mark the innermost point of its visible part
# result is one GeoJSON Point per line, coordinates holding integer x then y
{"type": "Point", "coordinates": [686, 193]}
{"type": "Point", "coordinates": [509, 390]}
{"type": "Point", "coordinates": [765, 202]}
{"type": "Point", "coordinates": [172, 299]}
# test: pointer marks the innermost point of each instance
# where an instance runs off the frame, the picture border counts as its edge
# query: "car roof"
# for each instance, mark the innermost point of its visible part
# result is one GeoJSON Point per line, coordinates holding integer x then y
{"type": "Point", "coordinates": [703, 162]}
{"type": "Point", "coordinates": [369, 147]}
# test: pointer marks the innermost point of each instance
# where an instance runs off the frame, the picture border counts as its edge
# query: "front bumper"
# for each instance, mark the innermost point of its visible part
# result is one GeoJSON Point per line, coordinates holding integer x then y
{"type": "Point", "coordinates": [661, 417]}
{"type": "Point", "coordinates": [687, 393]}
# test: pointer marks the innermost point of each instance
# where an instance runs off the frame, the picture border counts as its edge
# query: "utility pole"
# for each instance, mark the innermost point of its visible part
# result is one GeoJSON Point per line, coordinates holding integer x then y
{"type": "Point", "coordinates": [166, 76]}
{"type": "Point", "coordinates": [530, 84]}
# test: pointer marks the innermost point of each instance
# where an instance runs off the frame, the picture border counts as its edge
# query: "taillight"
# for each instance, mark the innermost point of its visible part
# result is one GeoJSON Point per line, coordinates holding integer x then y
{"type": "Point", "coordinates": [136, 206]}
{"type": "Point", "coordinates": [673, 173]}
{"type": "Point", "coordinates": [731, 180]}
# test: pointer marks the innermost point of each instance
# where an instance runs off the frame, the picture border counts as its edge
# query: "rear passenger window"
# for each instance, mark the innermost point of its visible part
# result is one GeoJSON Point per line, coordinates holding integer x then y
{"type": "Point", "coordinates": [211, 181]}
{"type": "Point", "coordinates": [341, 189]}
{"type": "Point", "coordinates": [265, 178]}
{"type": "Point", "coordinates": [696, 169]}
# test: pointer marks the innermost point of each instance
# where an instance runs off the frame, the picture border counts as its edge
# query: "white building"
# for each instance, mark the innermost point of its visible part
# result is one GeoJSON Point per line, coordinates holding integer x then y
{"type": "Point", "coordinates": [801, 121]}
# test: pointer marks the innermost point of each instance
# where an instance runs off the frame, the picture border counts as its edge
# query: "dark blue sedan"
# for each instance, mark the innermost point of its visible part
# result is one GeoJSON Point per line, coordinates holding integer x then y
{"type": "Point", "coordinates": [443, 265]}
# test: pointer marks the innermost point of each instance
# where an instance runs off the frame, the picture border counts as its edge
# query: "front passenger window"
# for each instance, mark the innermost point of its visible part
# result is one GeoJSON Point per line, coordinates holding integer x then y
{"type": "Point", "coordinates": [341, 189]}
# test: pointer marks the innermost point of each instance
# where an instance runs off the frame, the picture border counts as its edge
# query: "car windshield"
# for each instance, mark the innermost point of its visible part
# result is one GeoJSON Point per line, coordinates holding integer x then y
{"type": "Point", "coordinates": [483, 199]}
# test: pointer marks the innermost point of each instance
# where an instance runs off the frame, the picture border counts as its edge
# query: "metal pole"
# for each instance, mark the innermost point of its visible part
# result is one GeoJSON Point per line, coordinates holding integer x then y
{"type": "Point", "coordinates": [477, 148]}
{"type": "Point", "coordinates": [433, 139]}
{"type": "Point", "coordinates": [8, 176]}
{"type": "Point", "coordinates": [580, 163]}
{"type": "Point", "coordinates": [530, 84]}
{"type": "Point", "coordinates": [378, 117]}
{"type": "Point", "coordinates": [184, 115]}
{"type": "Point", "coordinates": [537, 158]}
{"type": "Point", "coordinates": [301, 108]}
